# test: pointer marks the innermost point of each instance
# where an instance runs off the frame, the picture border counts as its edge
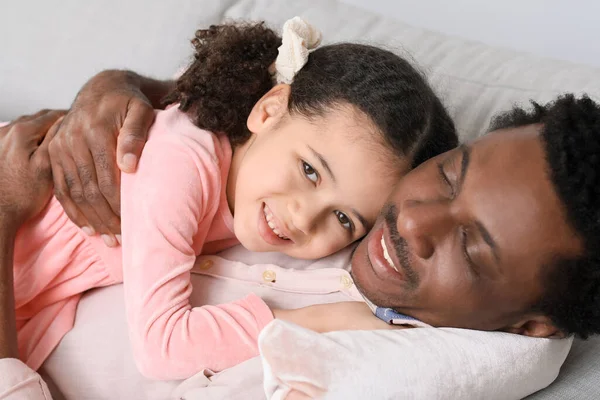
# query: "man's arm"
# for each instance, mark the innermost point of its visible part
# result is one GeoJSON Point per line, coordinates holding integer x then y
{"type": "Point", "coordinates": [8, 328]}
{"type": "Point", "coordinates": [154, 89]}
{"type": "Point", "coordinates": [25, 187]}
{"type": "Point", "coordinates": [113, 80]}
{"type": "Point", "coordinates": [17, 381]}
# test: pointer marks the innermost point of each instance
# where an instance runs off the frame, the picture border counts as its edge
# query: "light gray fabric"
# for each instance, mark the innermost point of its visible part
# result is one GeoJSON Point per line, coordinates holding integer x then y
{"type": "Point", "coordinates": [475, 80]}
{"type": "Point", "coordinates": [49, 49]}
{"type": "Point", "coordinates": [60, 44]}
{"type": "Point", "coordinates": [580, 375]}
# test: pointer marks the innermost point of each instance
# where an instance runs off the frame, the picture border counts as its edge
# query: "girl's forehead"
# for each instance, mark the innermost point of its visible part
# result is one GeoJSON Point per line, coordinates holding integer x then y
{"type": "Point", "coordinates": [340, 130]}
{"type": "Point", "coordinates": [347, 146]}
{"type": "Point", "coordinates": [340, 118]}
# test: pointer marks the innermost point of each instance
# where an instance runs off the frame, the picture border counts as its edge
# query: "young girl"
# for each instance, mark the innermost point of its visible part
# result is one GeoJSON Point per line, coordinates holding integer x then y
{"type": "Point", "coordinates": [304, 166]}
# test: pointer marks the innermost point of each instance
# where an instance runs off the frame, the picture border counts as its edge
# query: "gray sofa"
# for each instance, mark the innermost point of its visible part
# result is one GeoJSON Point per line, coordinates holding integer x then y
{"type": "Point", "coordinates": [49, 50]}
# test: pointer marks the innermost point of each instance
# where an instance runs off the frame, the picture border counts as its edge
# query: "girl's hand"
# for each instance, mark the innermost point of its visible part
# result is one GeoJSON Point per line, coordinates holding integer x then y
{"type": "Point", "coordinates": [348, 315]}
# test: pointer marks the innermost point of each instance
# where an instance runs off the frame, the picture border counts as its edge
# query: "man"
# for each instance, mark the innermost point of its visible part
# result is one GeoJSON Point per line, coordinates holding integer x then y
{"type": "Point", "coordinates": [500, 234]}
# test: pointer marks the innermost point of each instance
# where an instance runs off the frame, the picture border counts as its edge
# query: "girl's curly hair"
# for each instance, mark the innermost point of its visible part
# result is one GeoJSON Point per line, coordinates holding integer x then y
{"type": "Point", "coordinates": [230, 73]}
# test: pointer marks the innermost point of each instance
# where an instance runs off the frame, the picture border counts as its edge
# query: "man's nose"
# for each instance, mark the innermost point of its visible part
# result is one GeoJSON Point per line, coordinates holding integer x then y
{"type": "Point", "coordinates": [423, 224]}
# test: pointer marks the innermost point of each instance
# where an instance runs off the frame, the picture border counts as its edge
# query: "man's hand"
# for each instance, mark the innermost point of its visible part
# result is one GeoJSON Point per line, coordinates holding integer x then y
{"type": "Point", "coordinates": [25, 172]}
{"type": "Point", "coordinates": [105, 130]}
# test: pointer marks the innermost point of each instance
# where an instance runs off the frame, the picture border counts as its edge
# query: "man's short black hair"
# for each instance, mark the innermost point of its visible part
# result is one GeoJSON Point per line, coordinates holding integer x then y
{"type": "Point", "coordinates": [571, 135]}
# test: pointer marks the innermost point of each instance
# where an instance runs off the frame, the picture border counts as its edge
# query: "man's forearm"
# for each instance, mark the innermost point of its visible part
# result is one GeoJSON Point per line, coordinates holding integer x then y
{"type": "Point", "coordinates": [117, 80]}
{"type": "Point", "coordinates": [8, 328]}
{"type": "Point", "coordinates": [155, 90]}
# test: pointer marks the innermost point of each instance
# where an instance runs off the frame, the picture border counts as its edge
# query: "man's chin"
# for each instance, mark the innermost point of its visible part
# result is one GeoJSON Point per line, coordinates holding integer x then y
{"type": "Point", "coordinates": [380, 291]}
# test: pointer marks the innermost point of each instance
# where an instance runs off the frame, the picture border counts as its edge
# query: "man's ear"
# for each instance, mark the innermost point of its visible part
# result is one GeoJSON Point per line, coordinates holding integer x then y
{"type": "Point", "coordinates": [536, 326]}
{"type": "Point", "coordinates": [269, 110]}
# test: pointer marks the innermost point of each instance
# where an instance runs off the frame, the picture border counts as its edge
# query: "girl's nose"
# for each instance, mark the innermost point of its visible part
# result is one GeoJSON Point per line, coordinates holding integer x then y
{"type": "Point", "coordinates": [304, 214]}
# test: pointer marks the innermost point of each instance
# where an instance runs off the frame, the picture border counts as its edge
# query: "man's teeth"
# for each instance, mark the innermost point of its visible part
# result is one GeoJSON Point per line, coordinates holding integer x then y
{"type": "Point", "coordinates": [271, 222]}
{"type": "Point", "coordinates": [386, 255]}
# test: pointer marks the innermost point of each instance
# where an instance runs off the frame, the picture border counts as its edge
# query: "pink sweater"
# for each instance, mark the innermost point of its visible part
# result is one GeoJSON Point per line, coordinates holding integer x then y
{"type": "Point", "coordinates": [174, 208]}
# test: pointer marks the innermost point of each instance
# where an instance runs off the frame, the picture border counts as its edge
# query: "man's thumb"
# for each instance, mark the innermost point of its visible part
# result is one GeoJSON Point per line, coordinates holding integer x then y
{"type": "Point", "coordinates": [133, 135]}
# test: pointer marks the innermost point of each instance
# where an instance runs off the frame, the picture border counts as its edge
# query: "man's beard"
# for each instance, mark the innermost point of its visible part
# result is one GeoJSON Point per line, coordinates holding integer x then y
{"type": "Point", "coordinates": [390, 214]}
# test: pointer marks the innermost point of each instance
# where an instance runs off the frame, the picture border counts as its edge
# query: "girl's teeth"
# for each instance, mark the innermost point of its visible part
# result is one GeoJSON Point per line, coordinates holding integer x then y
{"type": "Point", "coordinates": [386, 255]}
{"type": "Point", "coordinates": [271, 223]}
{"type": "Point", "coordinates": [268, 215]}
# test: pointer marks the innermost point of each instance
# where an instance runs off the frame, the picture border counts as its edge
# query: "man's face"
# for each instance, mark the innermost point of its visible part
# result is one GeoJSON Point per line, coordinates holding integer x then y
{"type": "Point", "coordinates": [470, 234]}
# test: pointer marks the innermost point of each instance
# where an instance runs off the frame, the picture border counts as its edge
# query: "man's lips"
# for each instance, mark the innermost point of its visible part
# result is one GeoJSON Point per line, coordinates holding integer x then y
{"type": "Point", "coordinates": [386, 253]}
{"type": "Point", "coordinates": [383, 268]}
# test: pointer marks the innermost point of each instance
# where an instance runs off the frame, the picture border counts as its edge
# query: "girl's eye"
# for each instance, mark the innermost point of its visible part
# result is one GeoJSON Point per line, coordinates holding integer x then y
{"type": "Point", "coordinates": [344, 220]}
{"type": "Point", "coordinates": [310, 172]}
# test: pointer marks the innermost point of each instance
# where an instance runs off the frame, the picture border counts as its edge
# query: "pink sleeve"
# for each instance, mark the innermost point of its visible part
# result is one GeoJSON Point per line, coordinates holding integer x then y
{"type": "Point", "coordinates": [167, 207]}
{"type": "Point", "coordinates": [18, 381]}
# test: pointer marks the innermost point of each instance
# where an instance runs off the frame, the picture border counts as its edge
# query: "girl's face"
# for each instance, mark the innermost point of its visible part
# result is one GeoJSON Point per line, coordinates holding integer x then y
{"type": "Point", "coordinates": [308, 188]}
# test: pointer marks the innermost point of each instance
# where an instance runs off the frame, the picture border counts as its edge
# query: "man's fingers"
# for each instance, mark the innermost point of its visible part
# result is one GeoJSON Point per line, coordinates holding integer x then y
{"type": "Point", "coordinates": [30, 130]}
{"type": "Point", "coordinates": [42, 156]}
{"type": "Point", "coordinates": [133, 134]}
{"type": "Point", "coordinates": [25, 118]}
{"type": "Point", "coordinates": [41, 113]}
{"type": "Point", "coordinates": [108, 175]}
{"type": "Point", "coordinates": [61, 191]}
{"type": "Point", "coordinates": [52, 131]}
{"type": "Point", "coordinates": [75, 197]}
{"type": "Point", "coordinates": [95, 198]}
{"type": "Point", "coordinates": [86, 193]}
{"type": "Point", "coordinates": [45, 119]}
{"type": "Point", "coordinates": [33, 130]}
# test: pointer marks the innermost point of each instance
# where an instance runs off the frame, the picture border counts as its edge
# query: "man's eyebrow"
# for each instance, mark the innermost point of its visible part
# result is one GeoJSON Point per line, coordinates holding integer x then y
{"type": "Point", "coordinates": [323, 162]}
{"type": "Point", "coordinates": [464, 165]}
{"type": "Point", "coordinates": [488, 239]}
{"type": "Point", "coordinates": [485, 234]}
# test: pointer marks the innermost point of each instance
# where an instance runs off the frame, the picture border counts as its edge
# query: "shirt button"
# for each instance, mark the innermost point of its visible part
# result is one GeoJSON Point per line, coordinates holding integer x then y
{"type": "Point", "coordinates": [269, 276]}
{"type": "Point", "coordinates": [346, 282]}
{"type": "Point", "coordinates": [206, 264]}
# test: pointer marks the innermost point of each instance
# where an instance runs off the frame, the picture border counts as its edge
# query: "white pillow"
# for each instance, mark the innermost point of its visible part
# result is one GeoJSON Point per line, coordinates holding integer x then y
{"type": "Point", "coordinates": [419, 363]}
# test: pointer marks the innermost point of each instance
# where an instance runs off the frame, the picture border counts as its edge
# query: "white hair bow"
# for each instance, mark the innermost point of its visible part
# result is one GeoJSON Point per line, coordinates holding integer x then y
{"type": "Point", "coordinates": [298, 37]}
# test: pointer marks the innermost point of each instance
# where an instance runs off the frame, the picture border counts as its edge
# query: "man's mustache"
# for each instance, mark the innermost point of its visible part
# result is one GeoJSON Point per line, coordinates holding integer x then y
{"type": "Point", "coordinates": [390, 215]}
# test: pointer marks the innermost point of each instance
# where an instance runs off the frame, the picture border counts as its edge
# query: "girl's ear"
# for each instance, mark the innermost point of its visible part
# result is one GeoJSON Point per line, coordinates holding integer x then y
{"type": "Point", "coordinates": [270, 109]}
